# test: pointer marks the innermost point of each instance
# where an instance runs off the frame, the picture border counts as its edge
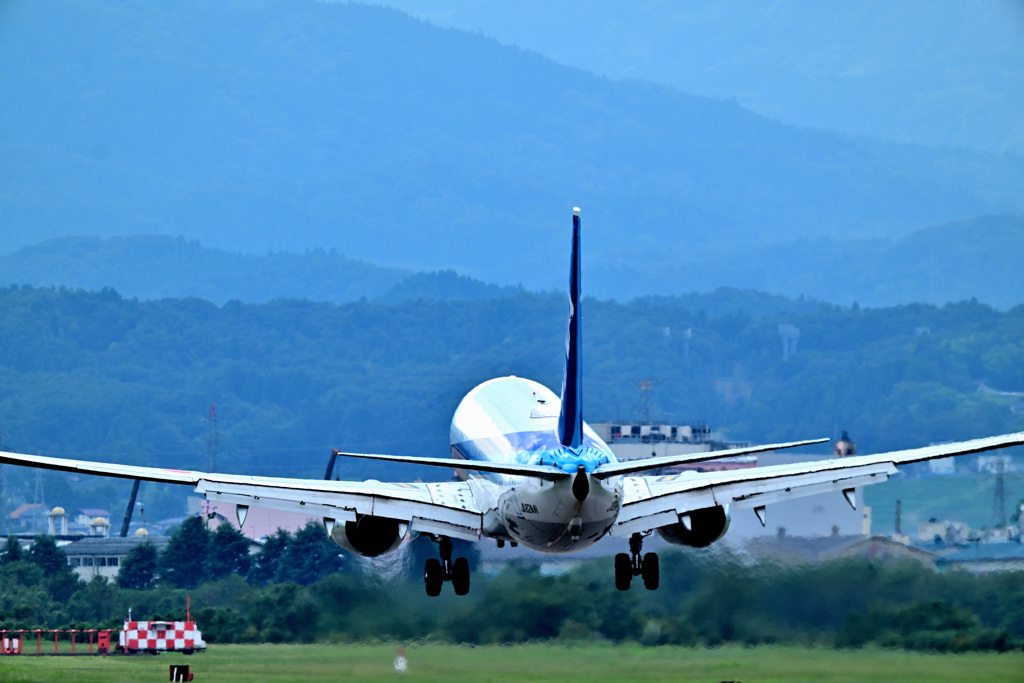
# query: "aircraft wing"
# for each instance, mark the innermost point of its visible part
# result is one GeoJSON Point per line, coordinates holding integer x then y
{"type": "Point", "coordinates": [446, 508]}
{"type": "Point", "coordinates": [654, 501]}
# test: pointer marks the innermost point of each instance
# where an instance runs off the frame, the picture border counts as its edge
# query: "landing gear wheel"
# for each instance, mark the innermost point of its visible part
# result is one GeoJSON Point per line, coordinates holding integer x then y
{"type": "Point", "coordinates": [460, 576]}
{"type": "Point", "coordinates": [623, 571]}
{"type": "Point", "coordinates": [649, 570]}
{"type": "Point", "coordinates": [432, 577]}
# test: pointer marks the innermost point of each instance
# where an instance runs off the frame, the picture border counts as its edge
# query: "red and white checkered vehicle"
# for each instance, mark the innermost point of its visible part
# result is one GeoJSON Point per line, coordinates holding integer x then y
{"type": "Point", "coordinates": [161, 636]}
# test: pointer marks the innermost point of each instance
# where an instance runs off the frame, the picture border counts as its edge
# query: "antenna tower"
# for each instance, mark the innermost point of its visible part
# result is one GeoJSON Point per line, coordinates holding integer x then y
{"type": "Point", "coordinates": [212, 440]}
{"type": "Point", "coordinates": [646, 406]}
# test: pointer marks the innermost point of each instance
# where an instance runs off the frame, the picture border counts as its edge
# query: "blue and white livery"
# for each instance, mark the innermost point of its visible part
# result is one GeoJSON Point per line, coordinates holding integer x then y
{"type": "Point", "coordinates": [532, 472]}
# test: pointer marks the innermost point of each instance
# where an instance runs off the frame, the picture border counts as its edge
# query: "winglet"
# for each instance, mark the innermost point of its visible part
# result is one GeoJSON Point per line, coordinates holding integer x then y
{"type": "Point", "coordinates": [570, 418]}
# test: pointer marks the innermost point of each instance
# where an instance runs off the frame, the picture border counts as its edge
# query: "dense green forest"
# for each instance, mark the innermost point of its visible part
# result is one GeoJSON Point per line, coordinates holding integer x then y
{"type": "Point", "coordinates": [98, 376]}
{"type": "Point", "coordinates": [706, 598]}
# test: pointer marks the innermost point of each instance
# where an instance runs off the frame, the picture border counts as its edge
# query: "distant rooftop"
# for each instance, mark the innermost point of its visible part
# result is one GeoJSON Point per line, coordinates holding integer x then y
{"type": "Point", "coordinates": [653, 432]}
{"type": "Point", "coordinates": [116, 546]}
{"type": "Point", "coordinates": [983, 552]}
{"type": "Point", "coordinates": [19, 511]}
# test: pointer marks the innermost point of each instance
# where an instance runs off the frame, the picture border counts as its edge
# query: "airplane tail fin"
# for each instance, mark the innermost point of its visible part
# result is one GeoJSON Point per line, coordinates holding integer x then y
{"type": "Point", "coordinates": [570, 418]}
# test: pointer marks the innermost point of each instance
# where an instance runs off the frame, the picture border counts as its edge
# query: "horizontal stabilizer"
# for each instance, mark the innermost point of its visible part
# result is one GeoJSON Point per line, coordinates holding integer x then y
{"type": "Point", "coordinates": [515, 469]}
{"type": "Point", "coordinates": [630, 466]}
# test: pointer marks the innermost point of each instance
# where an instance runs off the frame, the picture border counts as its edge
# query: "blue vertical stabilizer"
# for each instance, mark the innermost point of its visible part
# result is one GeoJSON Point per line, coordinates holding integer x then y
{"type": "Point", "coordinates": [570, 419]}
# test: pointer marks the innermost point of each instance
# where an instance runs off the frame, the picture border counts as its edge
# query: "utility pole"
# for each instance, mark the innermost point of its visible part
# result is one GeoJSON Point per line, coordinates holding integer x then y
{"type": "Point", "coordinates": [39, 498]}
{"type": "Point", "coordinates": [999, 500]}
{"type": "Point", "coordinates": [3, 500]}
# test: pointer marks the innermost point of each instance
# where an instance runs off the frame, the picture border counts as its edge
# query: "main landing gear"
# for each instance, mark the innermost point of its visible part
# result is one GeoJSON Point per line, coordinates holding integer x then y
{"type": "Point", "coordinates": [628, 566]}
{"type": "Point", "coordinates": [436, 572]}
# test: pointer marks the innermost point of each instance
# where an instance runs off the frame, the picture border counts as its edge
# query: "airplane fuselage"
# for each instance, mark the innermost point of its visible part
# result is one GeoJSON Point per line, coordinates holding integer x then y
{"type": "Point", "coordinates": [514, 420]}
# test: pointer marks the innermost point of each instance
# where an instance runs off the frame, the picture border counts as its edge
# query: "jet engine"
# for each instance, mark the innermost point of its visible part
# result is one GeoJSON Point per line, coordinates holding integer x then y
{"type": "Point", "coordinates": [369, 536]}
{"type": "Point", "coordinates": [697, 528]}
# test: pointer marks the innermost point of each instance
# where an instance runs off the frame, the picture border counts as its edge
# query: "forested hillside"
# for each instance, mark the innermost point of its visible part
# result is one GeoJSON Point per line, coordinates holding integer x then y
{"type": "Point", "coordinates": [266, 126]}
{"type": "Point", "coordinates": [93, 375]}
{"type": "Point", "coordinates": [158, 267]}
{"type": "Point", "coordinates": [979, 258]}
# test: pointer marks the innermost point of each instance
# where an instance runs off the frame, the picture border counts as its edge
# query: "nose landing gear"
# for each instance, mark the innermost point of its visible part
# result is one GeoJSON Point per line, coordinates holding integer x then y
{"type": "Point", "coordinates": [633, 564]}
{"type": "Point", "coordinates": [436, 572]}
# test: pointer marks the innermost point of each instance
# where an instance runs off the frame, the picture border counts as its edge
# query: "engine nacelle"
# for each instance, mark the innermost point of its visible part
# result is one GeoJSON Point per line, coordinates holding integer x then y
{"type": "Point", "coordinates": [369, 536]}
{"type": "Point", "coordinates": [706, 526]}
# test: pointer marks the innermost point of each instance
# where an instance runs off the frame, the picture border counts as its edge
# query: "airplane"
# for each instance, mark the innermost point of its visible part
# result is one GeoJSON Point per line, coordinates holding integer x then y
{"type": "Point", "coordinates": [532, 472]}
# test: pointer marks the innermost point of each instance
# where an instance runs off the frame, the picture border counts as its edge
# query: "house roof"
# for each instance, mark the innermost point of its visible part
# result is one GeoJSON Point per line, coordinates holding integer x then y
{"type": "Point", "coordinates": [804, 547]}
{"type": "Point", "coordinates": [810, 548]}
{"type": "Point", "coordinates": [117, 546]}
{"type": "Point", "coordinates": [984, 552]}
{"type": "Point", "coordinates": [18, 512]}
{"type": "Point", "coordinates": [93, 512]}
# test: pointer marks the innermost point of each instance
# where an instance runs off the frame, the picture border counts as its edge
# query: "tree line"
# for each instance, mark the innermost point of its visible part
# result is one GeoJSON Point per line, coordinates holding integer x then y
{"type": "Point", "coordinates": [196, 555]}
{"type": "Point", "coordinates": [298, 589]}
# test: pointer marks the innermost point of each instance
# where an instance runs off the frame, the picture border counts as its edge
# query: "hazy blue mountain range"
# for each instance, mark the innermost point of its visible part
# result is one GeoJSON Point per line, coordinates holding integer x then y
{"type": "Point", "coordinates": [158, 267]}
{"type": "Point", "coordinates": [979, 259]}
{"type": "Point", "coordinates": [937, 73]}
{"type": "Point", "coordinates": [953, 262]}
{"type": "Point", "coordinates": [268, 126]}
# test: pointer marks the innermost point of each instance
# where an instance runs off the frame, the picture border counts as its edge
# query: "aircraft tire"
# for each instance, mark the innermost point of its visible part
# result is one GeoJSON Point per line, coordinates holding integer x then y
{"type": "Point", "coordinates": [432, 577]}
{"type": "Point", "coordinates": [460, 576]}
{"type": "Point", "coordinates": [650, 571]}
{"type": "Point", "coordinates": [623, 571]}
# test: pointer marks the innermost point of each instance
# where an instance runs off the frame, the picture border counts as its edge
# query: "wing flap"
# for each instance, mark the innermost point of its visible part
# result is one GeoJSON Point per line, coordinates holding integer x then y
{"type": "Point", "coordinates": [446, 505]}
{"type": "Point", "coordinates": [440, 528]}
{"type": "Point", "coordinates": [338, 514]}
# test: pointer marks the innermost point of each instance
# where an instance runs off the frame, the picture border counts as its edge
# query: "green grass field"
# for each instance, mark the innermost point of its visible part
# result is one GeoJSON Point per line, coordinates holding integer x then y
{"type": "Point", "coordinates": [280, 663]}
